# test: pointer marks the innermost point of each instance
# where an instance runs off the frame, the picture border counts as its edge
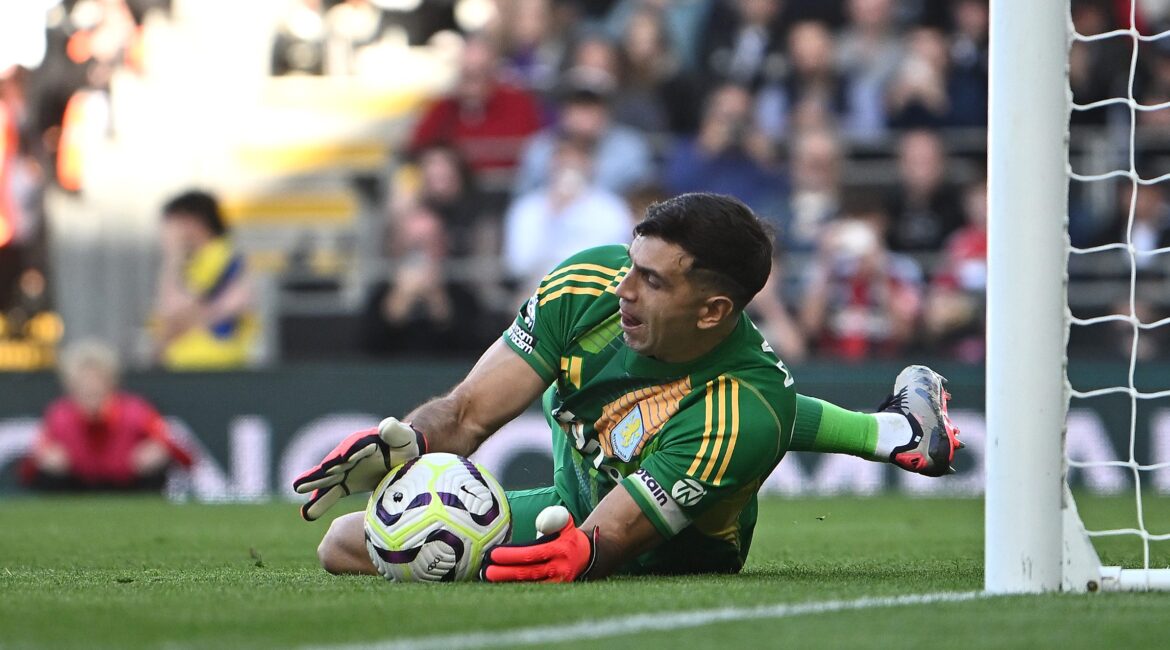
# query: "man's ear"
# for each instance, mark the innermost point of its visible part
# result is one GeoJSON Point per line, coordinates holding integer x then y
{"type": "Point", "coordinates": [715, 310]}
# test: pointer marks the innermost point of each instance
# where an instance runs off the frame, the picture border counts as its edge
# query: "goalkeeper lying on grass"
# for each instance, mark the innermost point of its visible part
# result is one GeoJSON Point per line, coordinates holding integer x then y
{"type": "Point", "coordinates": [668, 409]}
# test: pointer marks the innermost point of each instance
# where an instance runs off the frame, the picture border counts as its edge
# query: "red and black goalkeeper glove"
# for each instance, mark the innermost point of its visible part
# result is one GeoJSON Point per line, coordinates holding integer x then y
{"type": "Point", "coordinates": [357, 464]}
{"type": "Point", "coordinates": [565, 554]}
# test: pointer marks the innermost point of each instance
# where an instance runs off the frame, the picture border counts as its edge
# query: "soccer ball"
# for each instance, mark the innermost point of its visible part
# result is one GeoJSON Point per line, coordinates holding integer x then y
{"type": "Point", "coordinates": [432, 518]}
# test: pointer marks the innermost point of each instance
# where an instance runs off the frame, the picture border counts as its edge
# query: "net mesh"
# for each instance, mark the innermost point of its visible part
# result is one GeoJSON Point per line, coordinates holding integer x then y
{"type": "Point", "coordinates": [1137, 257]}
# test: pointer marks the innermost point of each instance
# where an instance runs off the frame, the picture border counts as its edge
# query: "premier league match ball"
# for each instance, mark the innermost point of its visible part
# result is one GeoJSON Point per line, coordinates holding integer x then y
{"type": "Point", "coordinates": [432, 518]}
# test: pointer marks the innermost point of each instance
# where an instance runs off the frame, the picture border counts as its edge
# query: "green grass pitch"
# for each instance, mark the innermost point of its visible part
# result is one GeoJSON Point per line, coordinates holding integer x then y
{"type": "Point", "coordinates": [126, 573]}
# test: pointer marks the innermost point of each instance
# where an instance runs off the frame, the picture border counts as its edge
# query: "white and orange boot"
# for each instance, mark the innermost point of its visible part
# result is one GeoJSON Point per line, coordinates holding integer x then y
{"type": "Point", "coordinates": [920, 395]}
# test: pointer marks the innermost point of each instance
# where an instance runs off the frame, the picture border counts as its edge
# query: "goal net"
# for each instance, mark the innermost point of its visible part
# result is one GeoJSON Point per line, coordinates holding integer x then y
{"type": "Point", "coordinates": [1035, 539]}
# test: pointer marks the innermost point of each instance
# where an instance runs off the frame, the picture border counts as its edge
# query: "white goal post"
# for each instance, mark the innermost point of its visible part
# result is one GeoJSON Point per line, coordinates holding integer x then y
{"type": "Point", "coordinates": [1034, 538]}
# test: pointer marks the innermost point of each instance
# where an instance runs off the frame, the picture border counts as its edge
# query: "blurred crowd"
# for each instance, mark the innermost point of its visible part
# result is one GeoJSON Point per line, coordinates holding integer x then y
{"type": "Point", "coordinates": [569, 117]}
{"type": "Point", "coordinates": [854, 127]}
{"type": "Point", "coordinates": [51, 107]}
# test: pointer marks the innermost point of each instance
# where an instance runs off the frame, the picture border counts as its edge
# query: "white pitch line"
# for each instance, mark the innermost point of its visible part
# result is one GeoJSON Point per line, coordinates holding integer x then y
{"type": "Point", "coordinates": [623, 625]}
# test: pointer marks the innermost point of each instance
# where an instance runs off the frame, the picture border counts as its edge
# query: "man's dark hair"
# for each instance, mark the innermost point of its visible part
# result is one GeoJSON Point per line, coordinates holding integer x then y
{"type": "Point", "coordinates": [588, 87]}
{"type": "Point", "coordinates": [198, 205]}
{"type": "Point", "coordinates": [731, 247]}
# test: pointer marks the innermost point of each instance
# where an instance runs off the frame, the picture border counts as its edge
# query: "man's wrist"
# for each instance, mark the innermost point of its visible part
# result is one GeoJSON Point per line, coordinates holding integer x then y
{"type": "Point", "coordinates": [420, 438]}
{"type": "Point", "coordinates": [591, 570]}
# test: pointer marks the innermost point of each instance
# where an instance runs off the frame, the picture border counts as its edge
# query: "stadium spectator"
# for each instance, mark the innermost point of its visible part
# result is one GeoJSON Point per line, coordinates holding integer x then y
{"type": "Point", "coordinates": [420, 310]}
{"type": "Point", "coordinates": [650, 93]}
{"type": "Point", "coordinates": [744, 43]}
{"type": "Point", "coordinates": [1153, 138]}
{"type": "Point", "coordinates": [598, 61]}
{"type": "Point", "coordinates": [656, 94]}
{"type": "Point", "coordinates": [816, 189]}
{"type": "Point", "coordinates": [730, 155]}
{"type": "Point", "coordinates": [448, 186]}
{"type": "Point", "coordinates": [1148, 307]}
{"type": "Point", "coordinates": [594, 56]}
{"type": "Point", "coordinates": [924, 209]}
{"type": "Point", "coordinates": [29, 328]}
{"type": "Point", "coordinates": [28, 304]}
{"type": "Point", "coordinates": [953, 313]}
{"type": "Point", "coordinates": [622, 157]}
{"type": "Point", "coordinates": [299, 45]}
{"type": "Point", "coordinates": [570, 212]}
{"type": "Point", "coordinates": [443, 247]}
{"type": "Point", "coordinates": [869, 51]}
{"type": "Point", "coordinates": [1156, 123]}
{"type": "Point", "coordinates": [1152, 17]}
{"type": "Point", "coordinates": [647, 62]}
{"type": "Point", "coordinates": [98, 437]}
{"type": "Point", "coordinates": [860, 301]}
{"type": "Point", "coordinates": [682, 20]}
{"type": "Point", "coordinates": [771, 314]}
{"type": "Point", "coordinates": [917, 96]}
{"type": "Point", "coordinates": [1094, 73]}
{"type": "Point", "coordinates": [1150, 228]}
{"type": "Point", "coordinates": [204, 318]}
{"type": "Point", "coordinates": [969, 59]}
{"type": "Point", "coordinates": [811, 94]}
{"type": "Point", "coordinates": [486, 119]}
{"type": "Point", "coordinates": [533, 49]}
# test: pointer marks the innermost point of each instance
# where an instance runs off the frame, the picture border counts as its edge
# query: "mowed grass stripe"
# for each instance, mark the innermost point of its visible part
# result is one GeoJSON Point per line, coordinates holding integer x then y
{"type": "Point", "coordinates": [643, 623]}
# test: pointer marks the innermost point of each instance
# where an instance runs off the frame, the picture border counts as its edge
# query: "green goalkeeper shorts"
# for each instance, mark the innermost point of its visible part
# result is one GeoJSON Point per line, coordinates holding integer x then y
{"type": "Point", "coordinates": [687, 552]}
{"type": "Point", "coordinates": [527, 504]}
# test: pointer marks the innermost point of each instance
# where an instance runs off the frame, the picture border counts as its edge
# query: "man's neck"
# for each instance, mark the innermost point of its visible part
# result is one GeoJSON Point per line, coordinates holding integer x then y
{"type": "Point", "coordinates": [704, 343]}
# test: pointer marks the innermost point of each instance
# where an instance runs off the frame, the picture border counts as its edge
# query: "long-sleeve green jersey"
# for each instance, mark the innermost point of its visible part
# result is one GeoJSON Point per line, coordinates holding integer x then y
{"type": "Point", "coordinates": [691, 442]}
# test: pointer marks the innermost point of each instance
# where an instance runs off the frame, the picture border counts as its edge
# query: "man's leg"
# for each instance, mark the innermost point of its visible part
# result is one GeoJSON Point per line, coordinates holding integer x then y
{"type": "Point", "coordinates": [527, 504]}
{"type": "Point", "coordinates": [827, 428]}
{"type": "Point", "coordinates": [343, 549]}
{"type": "Point", "coordinates": [911, 429]}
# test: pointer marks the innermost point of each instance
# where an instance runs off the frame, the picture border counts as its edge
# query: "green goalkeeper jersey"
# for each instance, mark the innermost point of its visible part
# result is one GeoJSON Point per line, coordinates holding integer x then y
{"type": "Point", "coordinates": [691, 442]}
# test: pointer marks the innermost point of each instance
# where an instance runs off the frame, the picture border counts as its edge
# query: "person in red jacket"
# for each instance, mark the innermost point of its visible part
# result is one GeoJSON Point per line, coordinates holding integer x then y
{"type": "Point", "coordinates": [487, 120]}
{"type": "Point", "coordinates": [97, 437]}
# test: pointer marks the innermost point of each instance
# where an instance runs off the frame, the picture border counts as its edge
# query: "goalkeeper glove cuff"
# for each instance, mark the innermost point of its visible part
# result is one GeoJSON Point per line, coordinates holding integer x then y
{"type": "Point", "coordinates": [563, 556]}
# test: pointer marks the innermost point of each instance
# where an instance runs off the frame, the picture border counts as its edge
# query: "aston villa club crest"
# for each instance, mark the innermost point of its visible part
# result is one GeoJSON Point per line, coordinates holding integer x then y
{"type": "Point", "coordinates": [626, 438]}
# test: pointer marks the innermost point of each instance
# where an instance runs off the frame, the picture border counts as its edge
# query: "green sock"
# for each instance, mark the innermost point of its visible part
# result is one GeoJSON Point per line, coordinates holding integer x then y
{"type": "Point", "coordinates": [824, 427]}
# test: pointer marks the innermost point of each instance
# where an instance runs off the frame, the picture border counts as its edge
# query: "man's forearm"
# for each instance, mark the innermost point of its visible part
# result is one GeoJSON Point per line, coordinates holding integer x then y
{"type": "Point", "coordinates": [499, 388]}
{"type": "Point", "coordinates": [623, 533]}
